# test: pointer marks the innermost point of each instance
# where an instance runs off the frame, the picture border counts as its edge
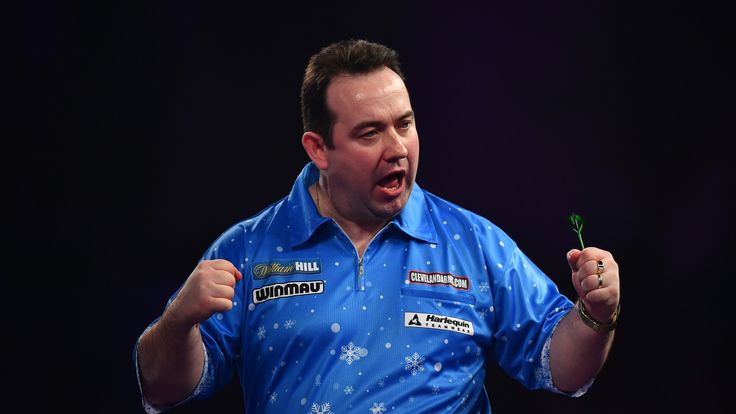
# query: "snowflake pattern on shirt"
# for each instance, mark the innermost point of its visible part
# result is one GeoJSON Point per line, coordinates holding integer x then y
{"type": "Point", "coordinates": [351, 353]}
{"type": "Point", "coordinates": [414, 363]}
{"type": "Point", "coordinates": [321, 409]}
{"type": "Point", "coordinates": [378, 408]}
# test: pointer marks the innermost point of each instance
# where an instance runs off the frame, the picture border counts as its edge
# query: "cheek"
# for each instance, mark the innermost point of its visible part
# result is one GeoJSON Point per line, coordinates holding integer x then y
{"type": "Point", "coordinates": [354, 172]}
{"type": "Point", "coordinates": [413, 148]}
{"type": "Point", "coordinates": [359, 165]}
{"type": "Point", "coordinates": [412, 143]}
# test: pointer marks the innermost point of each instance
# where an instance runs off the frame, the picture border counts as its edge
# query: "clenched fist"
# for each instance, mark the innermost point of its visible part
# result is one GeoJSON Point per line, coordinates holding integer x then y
{"type": "Point", "coordinates": [209, 289]}
{"type": "Point", "coordinates": [595, 279]}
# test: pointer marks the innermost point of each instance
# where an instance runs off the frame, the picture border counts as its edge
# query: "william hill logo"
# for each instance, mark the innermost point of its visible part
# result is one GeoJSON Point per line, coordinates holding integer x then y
{"type": "Point", "coordinates": [264, 270]}
{"type": "Point", "coordinates": [442, 322]}
{"type": "Point", "coordinates": [285, 290]}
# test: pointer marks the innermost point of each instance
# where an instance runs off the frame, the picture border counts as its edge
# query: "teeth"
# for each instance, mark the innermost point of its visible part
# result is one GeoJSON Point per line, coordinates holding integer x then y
{"type": "Point", "coordinates": [391, 182]}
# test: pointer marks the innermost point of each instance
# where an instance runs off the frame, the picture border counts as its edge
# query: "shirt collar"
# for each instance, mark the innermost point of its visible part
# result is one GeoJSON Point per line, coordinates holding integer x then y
{"type": "Point", "coordinates": [304, 219]}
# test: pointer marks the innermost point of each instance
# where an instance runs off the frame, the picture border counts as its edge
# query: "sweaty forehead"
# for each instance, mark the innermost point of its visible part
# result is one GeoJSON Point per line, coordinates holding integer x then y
{"type": "Point", "coordinates": [361, 95]}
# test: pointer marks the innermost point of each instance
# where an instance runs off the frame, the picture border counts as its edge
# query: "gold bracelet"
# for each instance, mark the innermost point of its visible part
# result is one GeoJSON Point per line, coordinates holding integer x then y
{"type": "Point", "coordinates": [595, 325]}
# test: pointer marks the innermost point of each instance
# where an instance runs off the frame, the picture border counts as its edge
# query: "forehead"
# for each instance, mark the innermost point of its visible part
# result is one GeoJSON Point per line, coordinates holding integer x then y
{"type": "Point", "coordinates": [355, 98]}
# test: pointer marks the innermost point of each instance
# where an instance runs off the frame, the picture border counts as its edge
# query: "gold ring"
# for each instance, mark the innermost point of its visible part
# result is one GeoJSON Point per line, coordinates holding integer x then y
{"type": "Point", "coordinates": [600, 267]}
{"type": "Point", "coordinates": [600, 281]}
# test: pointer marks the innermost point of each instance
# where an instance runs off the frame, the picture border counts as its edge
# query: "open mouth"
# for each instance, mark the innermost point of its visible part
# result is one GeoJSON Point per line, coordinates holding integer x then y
{"type": "Point", "coordinates": [392, 181]}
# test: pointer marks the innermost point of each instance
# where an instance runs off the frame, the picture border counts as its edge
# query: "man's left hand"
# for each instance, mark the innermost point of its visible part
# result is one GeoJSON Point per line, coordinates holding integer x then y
{"type": "Point", "coordinates": [595, 279]}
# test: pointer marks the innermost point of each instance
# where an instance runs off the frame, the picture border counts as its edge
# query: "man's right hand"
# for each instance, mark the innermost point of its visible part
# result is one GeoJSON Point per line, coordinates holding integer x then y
{"type": "Point", "coordinates": [170, 354]}
{"type": "Point", "coordinates": [209, 289]}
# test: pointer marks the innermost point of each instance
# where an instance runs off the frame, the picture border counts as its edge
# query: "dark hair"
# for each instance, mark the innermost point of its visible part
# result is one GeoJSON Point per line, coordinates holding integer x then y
{"type": "Point", "coordinates": [350, 57]}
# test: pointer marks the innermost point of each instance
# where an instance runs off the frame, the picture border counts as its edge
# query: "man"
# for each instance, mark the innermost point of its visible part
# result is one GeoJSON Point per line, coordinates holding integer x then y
{"type": "Point", "coordinates": [360, 292]}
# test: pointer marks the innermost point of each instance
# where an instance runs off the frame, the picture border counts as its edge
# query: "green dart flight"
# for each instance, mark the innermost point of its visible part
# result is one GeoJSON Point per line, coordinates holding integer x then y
{"type": "Point", "coordinates": [576, 222]}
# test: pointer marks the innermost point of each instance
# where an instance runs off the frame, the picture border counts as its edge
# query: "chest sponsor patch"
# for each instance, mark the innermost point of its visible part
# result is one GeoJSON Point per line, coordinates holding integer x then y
{"type": "Point", "coordinates": [286, 290]}
{"type": "Point", "coordinates": [441, 322]}
{"type": "Point", "coordinates": [438, 278]}
{"type": "Point", "coordinates": [287, 267]}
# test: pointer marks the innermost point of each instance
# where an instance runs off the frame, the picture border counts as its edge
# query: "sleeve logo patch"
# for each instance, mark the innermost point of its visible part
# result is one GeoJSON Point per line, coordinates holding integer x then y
{"type": "Point", "coordinates": [444, 279]}
{"type": "Point", "coordinates": [308, 266]}
{"type": "Point", "coordinates": [441, 322]}
{"type": "Point", "coordinates": [285, 290]}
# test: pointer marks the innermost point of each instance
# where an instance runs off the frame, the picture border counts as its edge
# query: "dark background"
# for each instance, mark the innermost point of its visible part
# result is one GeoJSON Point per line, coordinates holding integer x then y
{"type": "Point", "coordinates": [146, 130]}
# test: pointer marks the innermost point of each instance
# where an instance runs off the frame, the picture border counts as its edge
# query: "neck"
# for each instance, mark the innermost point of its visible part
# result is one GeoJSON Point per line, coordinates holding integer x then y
{"type": "Point", "coordinates": [360, 232]}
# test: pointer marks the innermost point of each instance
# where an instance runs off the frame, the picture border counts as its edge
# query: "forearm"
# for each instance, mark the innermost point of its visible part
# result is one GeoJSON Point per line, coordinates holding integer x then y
{"type": "Point", "coordinates": [171, 362]}
{"type": "Point", "coordinates": [577, 352]}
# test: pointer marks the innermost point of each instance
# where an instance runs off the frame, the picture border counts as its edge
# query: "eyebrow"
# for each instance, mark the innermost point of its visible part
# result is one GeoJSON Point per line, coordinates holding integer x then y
{"type": "Point", "coordinates": [376, 124]}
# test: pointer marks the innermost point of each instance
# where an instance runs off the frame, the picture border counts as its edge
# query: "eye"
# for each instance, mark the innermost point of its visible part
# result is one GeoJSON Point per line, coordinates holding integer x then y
{"type": "Point", "coordinates": [405, 124]}
{"type": "Point", "coordinates": [370, 134]}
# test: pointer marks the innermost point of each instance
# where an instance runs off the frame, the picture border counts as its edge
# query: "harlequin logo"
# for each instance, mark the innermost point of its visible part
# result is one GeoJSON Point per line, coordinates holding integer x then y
{"type": "Point", "coordinates": [441, 322]}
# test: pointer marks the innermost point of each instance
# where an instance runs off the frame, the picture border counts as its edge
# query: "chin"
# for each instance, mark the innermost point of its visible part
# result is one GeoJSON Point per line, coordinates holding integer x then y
{"type": "Point", "coordinates": [390, 209]}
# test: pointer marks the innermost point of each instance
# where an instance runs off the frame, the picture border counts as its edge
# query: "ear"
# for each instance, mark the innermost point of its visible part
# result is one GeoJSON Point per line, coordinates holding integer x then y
{"type": "Point", "coordinates": [314, 144]}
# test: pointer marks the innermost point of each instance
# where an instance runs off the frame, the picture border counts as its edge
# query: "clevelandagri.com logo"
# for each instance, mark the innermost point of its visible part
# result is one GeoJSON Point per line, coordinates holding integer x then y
{"type": "Point", "coordinates": [439, 278]}
{"type": "Point", "coordinates": [442, 322]}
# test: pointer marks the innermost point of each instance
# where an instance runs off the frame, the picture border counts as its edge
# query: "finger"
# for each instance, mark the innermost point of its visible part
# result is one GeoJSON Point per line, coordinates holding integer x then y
{"type": "Point", "coordinates": [222, 291]}
{"type": "Point", "coordinates": [607, 265]}
{"type": "Point", "coordinates": [223, 277]}
{"type": "Point", "coordinates": [602, 297]}
{"type": "Point", "coordinates": [222, 264]}
{"type": "Point", "coordinates": [591, 253]}
{"type": "Point", "coordinates": [572, 258]}
{"type": "Point", "coordinates": [591, 283]}
{"type": "Point", "coordinates": [576, 285]}
{"type": "Point", "coordinates": [587, 269]}
{"type": "Point", "coordinates": [221, 304]}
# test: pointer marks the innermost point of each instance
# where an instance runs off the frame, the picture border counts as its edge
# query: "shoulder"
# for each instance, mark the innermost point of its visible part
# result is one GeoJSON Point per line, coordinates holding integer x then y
{"type": "Point", "coordinates": [444, 210]}
{"type": "Point", "coordinates": [257, 224]}
{"type": "Point", "coordinates": [447, 208]}
{"type": "Point", "coordinates": [457, 222]}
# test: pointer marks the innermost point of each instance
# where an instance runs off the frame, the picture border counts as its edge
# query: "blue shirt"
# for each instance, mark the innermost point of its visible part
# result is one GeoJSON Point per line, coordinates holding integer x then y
{"type": "Point", "coordinates": [406, 328]}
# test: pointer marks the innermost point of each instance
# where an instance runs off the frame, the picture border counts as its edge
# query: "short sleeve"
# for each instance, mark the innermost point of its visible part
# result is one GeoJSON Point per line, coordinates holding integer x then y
{"type": "Point", "coordinates": [528, 307]}
{"type": "Point", "coordinates": [544, 373]}
{"type": "Point", "coordinates": [222, 332]}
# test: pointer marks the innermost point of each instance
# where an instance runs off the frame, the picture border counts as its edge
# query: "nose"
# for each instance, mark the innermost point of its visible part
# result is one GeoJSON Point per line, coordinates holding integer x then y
{"type": "Point", "coordinates": [395, 148]}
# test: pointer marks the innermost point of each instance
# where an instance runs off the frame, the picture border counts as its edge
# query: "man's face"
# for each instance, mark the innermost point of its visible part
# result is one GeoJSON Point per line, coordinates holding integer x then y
{"type": "Point", "coordinates": [371, 169]}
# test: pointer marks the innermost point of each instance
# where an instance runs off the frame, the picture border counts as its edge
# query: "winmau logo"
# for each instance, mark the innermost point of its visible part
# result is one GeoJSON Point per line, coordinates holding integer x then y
{"type": "Point", "coordinates": [285, 290]}
{"type": "Point", "coordinates": [442, 322]}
